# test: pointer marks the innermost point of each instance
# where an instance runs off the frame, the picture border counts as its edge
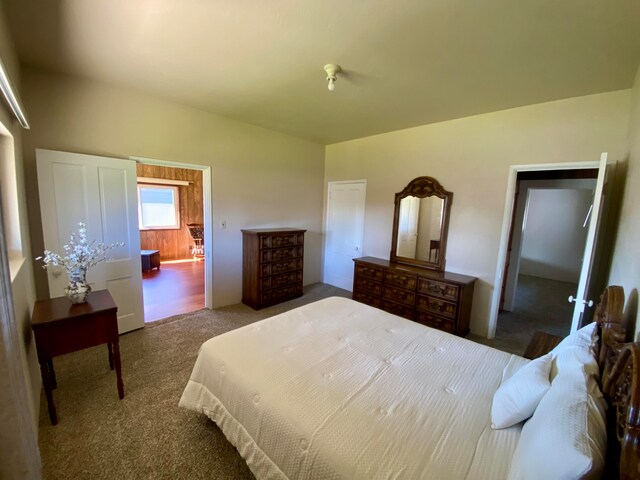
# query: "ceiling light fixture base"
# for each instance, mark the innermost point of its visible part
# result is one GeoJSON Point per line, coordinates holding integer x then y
{"type": "Point", "coordinates": [332, 69]}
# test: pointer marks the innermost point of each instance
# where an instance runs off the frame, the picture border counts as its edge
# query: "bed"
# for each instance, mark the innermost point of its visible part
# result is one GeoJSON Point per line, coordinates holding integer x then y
{"type": "Point", "coordinates": [338, 389]}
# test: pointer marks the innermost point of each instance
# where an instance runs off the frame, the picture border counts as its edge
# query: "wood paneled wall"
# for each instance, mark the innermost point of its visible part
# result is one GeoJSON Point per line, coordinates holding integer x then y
{"type": "Point", "coordinates": [175, 244]}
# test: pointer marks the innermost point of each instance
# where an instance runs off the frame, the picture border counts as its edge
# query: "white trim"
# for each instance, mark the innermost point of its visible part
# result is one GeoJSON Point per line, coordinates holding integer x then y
{"type": "Point", "coordinates": [12, 99]}
{"type": "Point", "coordinates": [163, 181]}
{"type": "Point", "coordinates": [506, 226]}
{"type": "Point", "coordinates": [207, 188]}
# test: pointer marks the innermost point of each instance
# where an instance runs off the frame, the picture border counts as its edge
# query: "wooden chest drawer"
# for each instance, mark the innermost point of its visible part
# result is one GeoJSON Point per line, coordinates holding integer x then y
{"type": "Point", "coordinates": [435, 305]}
{"type": "Point", "coordinates": [285, 240]}
{"type": "Point", "coordinates": [276, 281]}
{"type": "Point", "coordinates": [368, 286]}
{"type": "Point", "coordinates": [435, 321]}
{"type": "Point", "coordinates": [369, 272]}
{"type": "Point", "coordinates": [278, 294]}
{"type": "Point", "coordinates": [404, 280]}
{"type": "Point", "coordinates": [363, 297]}
{"type": "Point", "coordinates": [444, 290]}
{"type": "Point", "coordinates": [398, 295]}
{"type": "Point", "coordinates": [397, 309]}
{"type": "Point", "coordinates": [276, 254]}
{"type": "Point", "coordinates": [280, 267]}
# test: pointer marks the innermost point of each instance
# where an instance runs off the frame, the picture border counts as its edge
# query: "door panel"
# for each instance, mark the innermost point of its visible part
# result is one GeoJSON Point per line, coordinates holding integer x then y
{"type": "Point", "coordinates": [590, 255]}
{"type": "Point", "coordinates": [102, 193]}
{"type": "Point", "coordinates": [345, 222]}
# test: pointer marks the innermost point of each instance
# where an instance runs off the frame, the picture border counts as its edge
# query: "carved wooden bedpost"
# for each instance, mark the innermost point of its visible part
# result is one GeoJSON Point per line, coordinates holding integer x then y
{"type": "Point", "coordinates": [611, 328]}
{"type": "Point", "coordinates": [623, 387]}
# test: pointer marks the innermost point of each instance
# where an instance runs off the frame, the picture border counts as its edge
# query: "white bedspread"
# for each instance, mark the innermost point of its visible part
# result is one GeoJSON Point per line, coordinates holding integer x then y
{"type": "Point", "coordinates": [337, 389]}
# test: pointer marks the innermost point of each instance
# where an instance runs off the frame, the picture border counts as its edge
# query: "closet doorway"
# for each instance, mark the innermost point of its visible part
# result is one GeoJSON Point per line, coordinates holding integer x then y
{"type": "Point", "coordinates": [172, 216]}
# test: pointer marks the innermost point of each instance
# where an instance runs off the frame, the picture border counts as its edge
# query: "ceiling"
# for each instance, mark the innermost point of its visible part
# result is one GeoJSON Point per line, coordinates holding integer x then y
{"type": "Point", "coordinates": [406, 62]}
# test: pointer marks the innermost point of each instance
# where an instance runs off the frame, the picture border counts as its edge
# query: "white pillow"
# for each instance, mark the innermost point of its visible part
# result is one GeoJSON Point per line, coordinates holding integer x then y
{"type": "Point", "coordinates": [518, 397]}
{"type": "Point", "coordinates": [580, 338]}
{"type": "Point", "coordinates": [566, 436]}
{"type": "Point", "coordinates": [575, 352]}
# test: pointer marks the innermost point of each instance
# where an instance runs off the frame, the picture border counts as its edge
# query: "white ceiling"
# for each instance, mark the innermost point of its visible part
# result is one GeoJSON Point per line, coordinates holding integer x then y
{"type": "Point", "coordinates": [406, 62]}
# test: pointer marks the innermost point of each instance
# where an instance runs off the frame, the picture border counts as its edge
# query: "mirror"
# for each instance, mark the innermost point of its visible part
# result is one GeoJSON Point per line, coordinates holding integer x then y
{"type": "Point", "coordinates": [420, 224]}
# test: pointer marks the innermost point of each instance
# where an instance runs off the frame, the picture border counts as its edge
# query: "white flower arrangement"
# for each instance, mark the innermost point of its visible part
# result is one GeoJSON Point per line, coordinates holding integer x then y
{"type": "Point", "coordinates": [80, 255]}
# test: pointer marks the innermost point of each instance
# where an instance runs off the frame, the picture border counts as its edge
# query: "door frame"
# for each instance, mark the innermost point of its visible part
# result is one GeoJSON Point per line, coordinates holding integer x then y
{"type": "Point", "coordinates": [506, 227]}
{"type": "Point", "coordinates": [326, 219]}
{"type": "Point", "coordinates": [207, 215]}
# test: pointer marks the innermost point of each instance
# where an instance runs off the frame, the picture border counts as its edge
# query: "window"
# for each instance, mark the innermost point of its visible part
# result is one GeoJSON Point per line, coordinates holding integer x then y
{"type": "Point", "coordinates": [158, 207]}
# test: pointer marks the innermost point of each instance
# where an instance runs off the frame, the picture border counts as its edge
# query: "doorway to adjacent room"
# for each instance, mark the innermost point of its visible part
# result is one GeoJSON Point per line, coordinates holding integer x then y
{"type": "Point", "coordinates": [171, 217]}
{"type": "Point", "coordinates": [551, 215]}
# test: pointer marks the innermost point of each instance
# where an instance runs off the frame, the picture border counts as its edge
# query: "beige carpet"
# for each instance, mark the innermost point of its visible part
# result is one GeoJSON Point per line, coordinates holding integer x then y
{"type": "Point", "coordinates": [145, 435]}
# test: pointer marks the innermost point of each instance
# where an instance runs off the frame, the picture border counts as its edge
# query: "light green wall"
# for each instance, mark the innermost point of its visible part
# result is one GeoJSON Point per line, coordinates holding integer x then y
{"type": "Point", "coordinates": [19, 372]}
{"type": "Point", "coordinates": [471, 157]}
{"type": "Point", "coordinates": [261, 178]}
{"type": "Point", "coordinates": [625, 267]}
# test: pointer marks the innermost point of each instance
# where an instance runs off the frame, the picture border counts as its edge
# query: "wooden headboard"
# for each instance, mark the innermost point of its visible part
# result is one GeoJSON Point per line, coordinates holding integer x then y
{"type": "Point", "coordinates": [619, 364]}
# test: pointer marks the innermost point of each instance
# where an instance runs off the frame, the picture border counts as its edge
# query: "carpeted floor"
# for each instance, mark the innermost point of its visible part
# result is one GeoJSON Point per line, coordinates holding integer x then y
{"type": "Point", "coordinates": [541, 304]}
{"type": "Point", "coordinates": [145, 435]}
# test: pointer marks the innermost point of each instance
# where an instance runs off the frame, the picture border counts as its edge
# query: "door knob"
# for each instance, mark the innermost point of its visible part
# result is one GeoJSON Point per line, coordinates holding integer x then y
{"type": "Point", "coordinates": [572, 299]}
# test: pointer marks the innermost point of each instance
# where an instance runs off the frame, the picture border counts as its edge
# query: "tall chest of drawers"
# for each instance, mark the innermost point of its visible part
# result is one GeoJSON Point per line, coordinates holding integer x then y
{"type": "Point", "coordinates": [437, 299]}
{"type": "Point", "coordinates": [272, 265]}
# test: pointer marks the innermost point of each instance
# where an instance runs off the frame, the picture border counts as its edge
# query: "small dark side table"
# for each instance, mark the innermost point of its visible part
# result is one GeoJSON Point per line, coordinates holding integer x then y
{"type": "Point", "coordinates": [60, 327]}
{"type": "Point", "coordinates": [541, 343]}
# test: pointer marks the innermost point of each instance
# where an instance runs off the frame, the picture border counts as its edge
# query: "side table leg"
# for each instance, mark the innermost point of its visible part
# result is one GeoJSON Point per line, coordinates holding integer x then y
{"type": "Point", "coordinates": [46, 382]}
{"type": "Point", "coordinates": [52, 374]}
{"type": "Point", "coordinates": [110, 348]}
{"type": "Point", "coordinates": [116, 355]}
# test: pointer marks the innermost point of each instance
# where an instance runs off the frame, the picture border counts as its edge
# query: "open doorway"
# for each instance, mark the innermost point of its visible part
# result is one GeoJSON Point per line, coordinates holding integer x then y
{"type": "Point", "coordinates": [546, 247]}
{"type": "Point", "coordinates": [171, 216]}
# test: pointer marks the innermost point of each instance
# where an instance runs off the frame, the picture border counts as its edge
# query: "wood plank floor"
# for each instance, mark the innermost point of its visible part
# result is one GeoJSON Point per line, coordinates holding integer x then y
{"type": "Point", "coordinates": [178, 287]}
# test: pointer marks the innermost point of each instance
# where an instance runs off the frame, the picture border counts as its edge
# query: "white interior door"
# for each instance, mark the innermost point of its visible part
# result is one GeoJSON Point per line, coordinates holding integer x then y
{"type": "Point", "coordinates": [581, 298]}
{"type": "Point", "coordinates": [102, 193]}
{"type": "Point", "coordinates": [345, 223]}
{"type": "Point", "coordinates": [408, 227]}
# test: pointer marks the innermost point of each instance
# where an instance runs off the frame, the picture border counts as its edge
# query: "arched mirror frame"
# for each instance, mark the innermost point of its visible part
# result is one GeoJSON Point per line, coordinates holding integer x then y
{"type": "Point", "coordinates": [423, 187]}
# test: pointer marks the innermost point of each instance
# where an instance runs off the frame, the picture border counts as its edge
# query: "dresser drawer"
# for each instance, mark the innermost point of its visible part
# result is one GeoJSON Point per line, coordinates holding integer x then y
{"type": "Point", "coordinates": [438, 289]}
{"type": "Point", "coordinates": [435, 321]}
{"type": "Point", "coordinates": [276, 254]}
{"type": "Point", "coordinates": [279, 294]}
{"type": "Point", "coordinates": [398, 295]}
{"type": "Point", "coordinates": [284, 240]}
{"type": "Point", "coordinates": [397, 309]}
{"type": "Point", "coordinates": [369, 272]}
{"type": "Point", "coordinates": [435, 305]}
{"type": "Point", "coordinates": [280, 267]}
{"type": "Point", "coordinates": [369, 286]}
{"type": "Point", "coordinates": [404, 280]}
{"type": "Point", "coordinates": [276, 281]}
{"type": "Point", "coordinates": [363, 297]}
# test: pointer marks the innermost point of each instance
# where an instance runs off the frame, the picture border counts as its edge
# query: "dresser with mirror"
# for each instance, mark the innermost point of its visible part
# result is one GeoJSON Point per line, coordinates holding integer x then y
{"type": "Point", "coordinates": [413, 283]}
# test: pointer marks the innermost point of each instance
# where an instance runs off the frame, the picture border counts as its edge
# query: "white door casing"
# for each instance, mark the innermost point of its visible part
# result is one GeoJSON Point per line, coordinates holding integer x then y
{"type": "Point", "coordinates": [344, 233]}
{"type": "Point", "coordinates": [101, 192]}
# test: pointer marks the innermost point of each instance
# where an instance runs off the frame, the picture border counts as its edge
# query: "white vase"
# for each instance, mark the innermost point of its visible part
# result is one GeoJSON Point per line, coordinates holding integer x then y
{"type": "Point", "coordinates": [78, 289]}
